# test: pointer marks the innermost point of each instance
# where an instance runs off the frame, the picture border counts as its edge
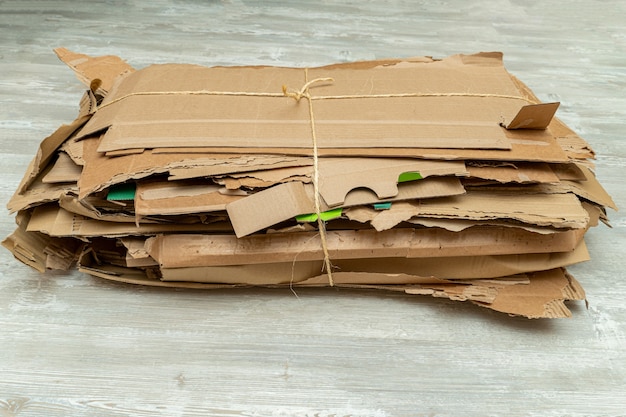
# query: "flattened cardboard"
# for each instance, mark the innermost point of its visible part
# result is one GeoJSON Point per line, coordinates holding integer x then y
{"type": "Point", "coordinates": [55, 221]}
{"type": "Point", "coordinates": [63, 170]}
{"type": "Point", "coordinates": [447, 118]}
{"type": "Point", "coordinates": [556, 210]}
{"type": "Point", "coordinates": [266, 178]}
{"type": "Point", "coordinates": [543, 298]}
{"type": "Point", "coordinates": [101, 172]}
{"type": "Point", "coordinates": [520, 172]}
{"type": "Point", "coordinates": [458, 225]}
{"type": "Point", "coordinates": [395, 269]}
{"type": "Point", "coordinates": [173, 198]}
{"type": "Point", "coordinates": [42, 252]}
{"type": "Point", "coordinates": [569, 171]}
{"type": "Point", "coordinates": [427, 188]}
{"type": "Point", "coordinates": [590, 189]}
{"type": "Point", "coordinates": [269, 207]}
{"type": "Point", "coordinates": [491, 294]}
{"type": "Point", "coordinates": [38, 193]}
{"type": "Point", "coordinates": [181, 250]}
{"type": "Point", "coordinates": [537, 146]}
{"type": "Point", "coordinates": [74, 149]}
{"type": "Point", "coordinates": [72, 204]}
{"type": "Point", "coordinates": [47, 150]}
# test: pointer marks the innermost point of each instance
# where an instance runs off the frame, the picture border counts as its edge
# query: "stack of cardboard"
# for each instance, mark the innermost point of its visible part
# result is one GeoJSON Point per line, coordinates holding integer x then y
{"type": "Point", "coordinates": [435, 177]}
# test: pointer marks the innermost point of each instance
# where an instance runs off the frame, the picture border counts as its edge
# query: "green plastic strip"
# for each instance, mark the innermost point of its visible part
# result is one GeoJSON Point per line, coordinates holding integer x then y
{"type": "Point", "coordinates": [325, 215]}
{"type": "Point", "coordinates": [122, 192]}
{"type": "Point", "coordinates": [409, 176]}
{"type": "Point", "coordinates": [382, 206]}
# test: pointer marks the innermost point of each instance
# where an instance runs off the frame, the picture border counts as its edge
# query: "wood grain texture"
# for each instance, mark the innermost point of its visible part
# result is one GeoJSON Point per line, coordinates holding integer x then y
{"type": "Point", "coordinates": [72, 345]}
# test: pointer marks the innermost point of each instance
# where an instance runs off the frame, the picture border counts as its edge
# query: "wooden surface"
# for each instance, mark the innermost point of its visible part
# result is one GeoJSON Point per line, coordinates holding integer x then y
{"type": "Point", "coordinates": [72, 345]}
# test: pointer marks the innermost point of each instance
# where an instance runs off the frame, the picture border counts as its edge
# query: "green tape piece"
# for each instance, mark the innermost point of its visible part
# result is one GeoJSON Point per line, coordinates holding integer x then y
{"type": "Point", "coordinates": [409, 176]}
{"type": "Point", "coordinates": [382, 206]}
{"type": "Point", "coordinates": [325, 215]}
{"type": "Point", "coordinates": [122, 192]}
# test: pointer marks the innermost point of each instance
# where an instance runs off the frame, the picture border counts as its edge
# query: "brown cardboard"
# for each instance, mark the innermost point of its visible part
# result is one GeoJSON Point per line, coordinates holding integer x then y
{"type": "Point", "coordinates": [47, 150]}
{"type": "Point", "coordinates": [569, 171]}
{"type": "Point", "coordinates": [179, 197]}
{"type": "Point", "coordinates": [42, 252]}
{"type": "Point", "coordinates": [87, 68]}
{"type": "Point", "coordinates": [286, 201]}
{"type": "Point", "coordinates": [534, 116]}
{"type": "Point", "coordinates": [590, 189]}
{"type": "Point", "coordinates": [38, 192]}
{"type": "Point", "coordinates": [458, 225]}
{"type": "Point", "coordinates": [58, 222]}
{"type": "Point", "coordinates": [183, 250]}
{"type": "Point", "coordinates": [556, 210]}
{"type": "Point", "coordinates": [395, 269]}
{"type": "Point", "coordinates": [269, 207]}
{"type": "Point", "coordinates": [476, 108]}
{"type": "Point", "coordinates": [520, 172]}
{"type": "Point", "coordinates": [74, 149]}
{"type": "Point", "coordinates": [101, 172]}
{"type": "Point", "coordinates": [71, 204]}
{"type": "Point", "coordinates": [543, 298]}
{"type": "Point", "coordinates": [63, 170]}
{"type": "Point", "coordinates": [338, 176]}
{"type": "Point", "coordinates": [265, 178]}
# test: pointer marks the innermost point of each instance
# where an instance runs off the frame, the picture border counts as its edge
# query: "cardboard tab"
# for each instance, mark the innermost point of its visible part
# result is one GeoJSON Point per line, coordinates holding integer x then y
{"type": "Point", "coordinates": [533, 116]}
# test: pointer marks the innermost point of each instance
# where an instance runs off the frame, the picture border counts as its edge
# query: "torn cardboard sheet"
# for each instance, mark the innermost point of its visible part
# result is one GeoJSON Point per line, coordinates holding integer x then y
{"type": "Point", "coordinates": [555, 210]}
{"type": "Point", "coordinates": [58, 222]}
{"type": "Point", "coordinates": [180, 250]}
{"type": "Point", "coordinates": [101, 172]}
{"type": "Point", "coordinates": [522, 173]}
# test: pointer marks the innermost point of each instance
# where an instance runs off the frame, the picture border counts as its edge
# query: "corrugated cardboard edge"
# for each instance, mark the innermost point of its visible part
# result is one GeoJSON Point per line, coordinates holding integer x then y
{"type": "Point", "coordinates": [40, 251]}
{"type": "Point", "coordinates": [47, 149]}
{"type": "Point", "coordinates": [544, 297]}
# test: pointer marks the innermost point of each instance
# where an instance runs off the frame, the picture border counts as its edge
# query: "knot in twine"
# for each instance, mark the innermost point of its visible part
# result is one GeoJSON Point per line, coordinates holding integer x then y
{"type": "Point", "coordinates": [298, 95]}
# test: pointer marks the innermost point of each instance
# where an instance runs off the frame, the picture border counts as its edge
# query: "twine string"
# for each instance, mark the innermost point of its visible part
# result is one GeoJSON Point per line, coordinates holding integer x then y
{"type": "Point", "coordinates": [321, 225]}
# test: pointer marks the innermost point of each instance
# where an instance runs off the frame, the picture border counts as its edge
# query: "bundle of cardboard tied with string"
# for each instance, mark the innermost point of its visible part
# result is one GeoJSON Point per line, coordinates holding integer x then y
{"type": "Point", "coordinates": [433, 177]}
